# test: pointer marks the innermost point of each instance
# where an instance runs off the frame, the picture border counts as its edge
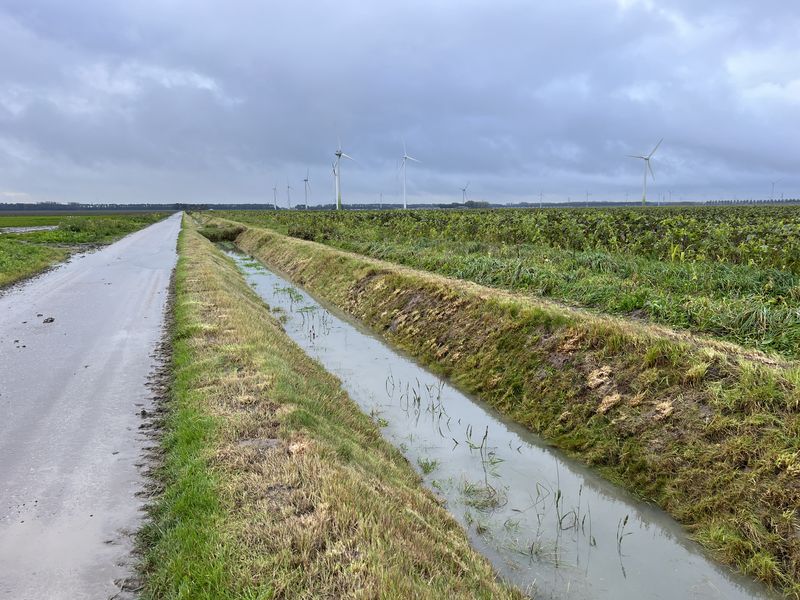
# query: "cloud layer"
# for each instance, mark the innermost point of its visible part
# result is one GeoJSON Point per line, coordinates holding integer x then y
{"type": "Point", "coordinates": [205, 101]}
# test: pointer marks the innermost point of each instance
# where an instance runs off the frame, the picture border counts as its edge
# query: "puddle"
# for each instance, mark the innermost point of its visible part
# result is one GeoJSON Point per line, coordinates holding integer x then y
{"type": "Point", "coordinates": [27, 229]}
{"type": "Point", "coordinates": [547, 523]}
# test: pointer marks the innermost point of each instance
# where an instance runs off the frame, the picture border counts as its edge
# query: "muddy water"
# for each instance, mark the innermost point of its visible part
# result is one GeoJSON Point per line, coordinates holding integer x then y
{"type": "Point", "coordinates": [27, 229]}
{"type": "Point", "coordinates": [548, 524]}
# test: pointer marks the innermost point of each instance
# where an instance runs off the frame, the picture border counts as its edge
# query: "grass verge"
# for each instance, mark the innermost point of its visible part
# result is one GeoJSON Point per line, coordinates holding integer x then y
{"type": "Point", "coordinates": [707, 430]}
{"type": "Point", "coordinates": [275, 484]}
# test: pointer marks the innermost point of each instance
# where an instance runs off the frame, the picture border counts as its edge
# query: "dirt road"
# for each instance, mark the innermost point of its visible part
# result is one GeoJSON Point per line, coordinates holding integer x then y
{"type": "Point", "coordinates": [76, 349]}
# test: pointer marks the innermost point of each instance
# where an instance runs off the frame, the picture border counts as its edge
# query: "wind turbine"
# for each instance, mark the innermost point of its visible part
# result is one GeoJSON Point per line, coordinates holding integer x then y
{"type": "Point", "coordinates": [275, 196]}
{"type": "Point", "coordinates": [337, 173]}
{"type": "Point", "coordinates": [306, 187]}
{"type": "Point", "coordinates": [288, 194]}
{"type": "Point", "coordinates": [647, 167]}
{"type": "Point", "coordinates": [772, 193]}
{"type": "Point", "coordinates": [464, 193]}
{"type": "Point", "coordinates": [406, 158]}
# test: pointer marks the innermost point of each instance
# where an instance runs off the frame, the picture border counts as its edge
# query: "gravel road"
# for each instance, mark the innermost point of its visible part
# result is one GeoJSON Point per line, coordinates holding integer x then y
{"type": "Point", "coordinates": [76, 349]}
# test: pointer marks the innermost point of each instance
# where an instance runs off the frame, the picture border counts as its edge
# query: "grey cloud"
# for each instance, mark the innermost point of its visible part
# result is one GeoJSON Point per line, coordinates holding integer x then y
{"type": "Point", "coordinates": [150, 101]}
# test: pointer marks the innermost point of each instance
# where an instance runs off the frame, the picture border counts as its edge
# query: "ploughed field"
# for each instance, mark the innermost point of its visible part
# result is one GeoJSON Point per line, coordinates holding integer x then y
{"type": "Point", "coordinates": [728, 272]}
{"type": "Point", "coordinates": [30, 244]}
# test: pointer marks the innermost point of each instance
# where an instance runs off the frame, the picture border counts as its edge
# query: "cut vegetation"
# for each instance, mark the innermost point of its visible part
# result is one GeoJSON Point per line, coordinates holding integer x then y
{"type": "Point", "coordinates": [708, 430]}
{"type": "Point", "coordinates": [275, 484]}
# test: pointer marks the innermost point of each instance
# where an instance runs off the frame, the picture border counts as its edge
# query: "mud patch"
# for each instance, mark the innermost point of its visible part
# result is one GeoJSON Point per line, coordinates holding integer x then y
{"type": "Point", "coordinates": [159, 384]}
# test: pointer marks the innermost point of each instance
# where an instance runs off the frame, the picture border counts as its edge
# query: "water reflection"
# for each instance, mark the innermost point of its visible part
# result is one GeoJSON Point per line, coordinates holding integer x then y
{"type": "Point", "coordinates": [548, 524]}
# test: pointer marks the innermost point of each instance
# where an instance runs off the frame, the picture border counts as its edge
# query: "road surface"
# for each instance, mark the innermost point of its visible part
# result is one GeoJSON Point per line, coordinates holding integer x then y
{"type": "Point", "coordinates": [71, 393]}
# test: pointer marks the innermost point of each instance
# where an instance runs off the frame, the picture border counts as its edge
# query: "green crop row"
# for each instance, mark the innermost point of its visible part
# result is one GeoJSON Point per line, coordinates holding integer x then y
{"type": "Point", "coordinates": [647, 269]}
{"type": "Point", "coordinates": [761, 236]}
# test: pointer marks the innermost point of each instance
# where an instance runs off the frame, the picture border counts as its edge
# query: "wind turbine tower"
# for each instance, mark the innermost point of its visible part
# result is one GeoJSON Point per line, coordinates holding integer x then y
{"type": "Point", "coordinates": [406, 158]}
{"type": "Point", "coordinates": [337, 174]}
{"type": "Point", "coordinates": [772, 193]}
{"type": "Point", "coordinates": [647, 167]}
{"type": "Point", "coordinates": [275, 196]}
{"type": "Point", "coordinates": [289, 195]}
{"type": "Point", "coordinates": [464, 193]}
{"type": "Point", "coordinates": [306, 187]}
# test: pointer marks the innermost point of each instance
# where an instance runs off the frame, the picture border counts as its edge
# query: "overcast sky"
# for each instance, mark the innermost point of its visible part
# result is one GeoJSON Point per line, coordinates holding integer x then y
{"type": "Point", "coordinates": [201, 101]}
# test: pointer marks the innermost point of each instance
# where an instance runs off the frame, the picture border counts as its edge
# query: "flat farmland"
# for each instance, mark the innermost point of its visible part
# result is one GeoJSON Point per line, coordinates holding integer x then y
{"type": "Point", "coordinates": [732, 273]}
{"type": "Point", "coordinates": [30, 244]}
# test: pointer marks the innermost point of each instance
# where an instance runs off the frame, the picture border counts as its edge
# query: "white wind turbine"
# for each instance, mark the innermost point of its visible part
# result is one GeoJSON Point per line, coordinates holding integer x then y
{"type": "Point", "coordinates": [772, 193]}
{"type": "Point", "coordinates": [337, 173]}
{"type": "Point", "coordinates": [306, 187]}
{"type": "Point", "coordinates": [647, 167]}
{"type": "Point", "coordinates": [464, 193]}
{"type": "Point", "coordinates": [288, 194]}
{"type": "Point", "coordinates": [406, 158]}
{"type": "Point", "coordinates": [275, 196]}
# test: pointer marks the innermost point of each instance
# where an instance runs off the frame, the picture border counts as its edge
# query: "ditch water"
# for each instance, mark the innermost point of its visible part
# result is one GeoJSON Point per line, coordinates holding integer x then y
{"type": "Point", "coordinates": [27, 229]}
{"type": "Point", "coordinates": [548, 524]}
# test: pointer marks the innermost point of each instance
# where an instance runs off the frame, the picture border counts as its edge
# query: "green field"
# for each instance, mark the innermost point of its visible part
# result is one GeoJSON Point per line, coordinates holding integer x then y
{"type": "Point", "coordinates": [728, 272]}
{"type": "Point", "coordinates": [29, 220]}
{"type": "Point", "coordinates": [25, 254]}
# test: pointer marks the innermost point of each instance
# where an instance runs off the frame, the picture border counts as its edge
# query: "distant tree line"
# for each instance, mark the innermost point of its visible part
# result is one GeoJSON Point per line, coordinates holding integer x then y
{"type": "Point", "coordinates": [753, 201]}
{"type": "Point", "coordinates": [57, 207]}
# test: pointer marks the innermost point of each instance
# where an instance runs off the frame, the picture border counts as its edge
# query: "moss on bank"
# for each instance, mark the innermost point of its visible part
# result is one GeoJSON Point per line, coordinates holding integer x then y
{"type": "Point", "coordinates": [276, 484]}
{"type": "Point", "coordinates": [709, 431]}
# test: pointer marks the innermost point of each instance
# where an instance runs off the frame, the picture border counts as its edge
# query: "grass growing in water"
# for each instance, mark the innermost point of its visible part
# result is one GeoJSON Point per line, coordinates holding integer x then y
{"type": "Point", "coordinates": [428, 465]}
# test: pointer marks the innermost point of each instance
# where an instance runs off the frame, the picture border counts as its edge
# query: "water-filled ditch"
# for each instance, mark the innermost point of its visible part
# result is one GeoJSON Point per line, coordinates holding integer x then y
{"type": "Point", "coordinates": [548, 524]}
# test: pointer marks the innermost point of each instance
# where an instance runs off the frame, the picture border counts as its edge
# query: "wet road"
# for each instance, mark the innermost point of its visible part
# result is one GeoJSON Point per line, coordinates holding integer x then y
{"type": "Point", "coordinates": [71, 393]}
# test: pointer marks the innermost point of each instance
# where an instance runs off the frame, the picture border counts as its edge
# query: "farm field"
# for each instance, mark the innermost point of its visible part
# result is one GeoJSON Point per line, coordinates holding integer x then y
{"type": "Point", "coordinates": [26, 253]}
{"type": "Point", "coordinates": [728, 272]}
{"type": "Point", "coordinates": [707, 430]}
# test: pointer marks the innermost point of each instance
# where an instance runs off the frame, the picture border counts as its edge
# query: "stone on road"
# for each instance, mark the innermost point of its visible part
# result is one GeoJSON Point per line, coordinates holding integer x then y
{"type": "Point", "coordinates": [76, 349]}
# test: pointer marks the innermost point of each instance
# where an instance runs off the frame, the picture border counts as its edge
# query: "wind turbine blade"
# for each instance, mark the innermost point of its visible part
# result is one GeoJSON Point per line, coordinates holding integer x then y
{"type": "Point", "coordinates": [348, 157]}
{"type": "Point", "coordinates": [635, 156]}
{"type": "Point", "coordinates": [412, 158]}
{"type": "Point", "coordinates": [466, 186]}
{"type": "Point", "coordinates": [656, 148]}
{"type": "Point", "coordinates": [653, 175]}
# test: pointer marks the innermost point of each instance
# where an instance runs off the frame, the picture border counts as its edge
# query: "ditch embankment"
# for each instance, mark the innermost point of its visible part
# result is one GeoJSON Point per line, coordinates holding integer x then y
{"type": "Point", "coordinates": [709, 432]}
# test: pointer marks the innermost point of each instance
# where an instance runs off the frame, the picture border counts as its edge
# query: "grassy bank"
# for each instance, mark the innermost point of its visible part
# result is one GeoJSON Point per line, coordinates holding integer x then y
{"type": "Point", "coordinates": [709, 431]}
{"type": "Point", "coordinates": [26, 254]}
{"type": "Point", "coordinates": [696, 269]}
{"type": "Point", "coordinates": [276, 485]}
